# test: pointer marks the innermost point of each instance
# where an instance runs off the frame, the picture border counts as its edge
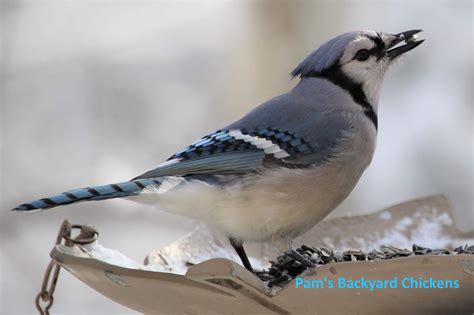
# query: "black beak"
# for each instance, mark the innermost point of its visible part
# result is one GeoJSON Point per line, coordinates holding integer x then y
{"type": "Point", "coordinates": [410, 42]}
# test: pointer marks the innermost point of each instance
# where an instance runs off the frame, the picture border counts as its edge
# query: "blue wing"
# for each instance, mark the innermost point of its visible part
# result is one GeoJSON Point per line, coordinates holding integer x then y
{"type": "Point", "coordinates": [233, 151]}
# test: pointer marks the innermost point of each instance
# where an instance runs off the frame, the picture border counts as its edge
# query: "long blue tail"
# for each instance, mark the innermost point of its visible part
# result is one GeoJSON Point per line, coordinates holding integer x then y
{"type": "Point", "coordinates": [110, 191]}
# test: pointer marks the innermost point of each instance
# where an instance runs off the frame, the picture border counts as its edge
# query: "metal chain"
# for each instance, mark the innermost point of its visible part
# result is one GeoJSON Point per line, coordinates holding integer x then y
{"type": "Point", "coordinates": [88, 235]}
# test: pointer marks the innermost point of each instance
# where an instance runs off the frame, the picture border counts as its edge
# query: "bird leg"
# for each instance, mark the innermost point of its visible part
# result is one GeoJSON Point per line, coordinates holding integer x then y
{"type": "Point", "coordinates": [239, 248]}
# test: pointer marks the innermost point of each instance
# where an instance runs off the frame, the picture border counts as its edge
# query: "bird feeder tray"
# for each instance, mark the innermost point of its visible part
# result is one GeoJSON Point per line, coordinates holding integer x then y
{"type": "Point", "coordinates": [221, 286]}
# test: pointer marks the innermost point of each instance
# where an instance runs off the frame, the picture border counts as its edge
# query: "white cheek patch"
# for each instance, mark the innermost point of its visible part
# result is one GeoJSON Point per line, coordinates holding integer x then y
{"type": "Point", "coordinates": [261, 143]}
{"type": "Point", "coordinates": [360, 71]}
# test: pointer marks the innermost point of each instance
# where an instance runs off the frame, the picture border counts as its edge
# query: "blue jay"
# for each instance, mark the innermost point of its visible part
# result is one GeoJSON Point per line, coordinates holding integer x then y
{"type": "Point", "coordinates": [279, 170]}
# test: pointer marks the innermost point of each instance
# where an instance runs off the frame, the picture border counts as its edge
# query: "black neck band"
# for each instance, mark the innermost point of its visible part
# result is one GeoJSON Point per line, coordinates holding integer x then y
{"type": "Point", "coordinates": [336, 76]}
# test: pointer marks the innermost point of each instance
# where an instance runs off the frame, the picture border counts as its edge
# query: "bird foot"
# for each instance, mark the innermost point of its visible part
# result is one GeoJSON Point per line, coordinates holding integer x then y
{"type": "Point", "coordinates": [284, 268]}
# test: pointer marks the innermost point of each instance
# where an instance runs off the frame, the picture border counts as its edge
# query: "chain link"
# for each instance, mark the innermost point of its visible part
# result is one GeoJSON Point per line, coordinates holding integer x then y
{"type": "Point", "coordinates": [88, 234]}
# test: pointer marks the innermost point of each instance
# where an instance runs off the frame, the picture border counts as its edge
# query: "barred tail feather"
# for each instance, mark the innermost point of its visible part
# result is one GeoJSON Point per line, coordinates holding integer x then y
{"type": "Point", "coordinates": [110, 191]}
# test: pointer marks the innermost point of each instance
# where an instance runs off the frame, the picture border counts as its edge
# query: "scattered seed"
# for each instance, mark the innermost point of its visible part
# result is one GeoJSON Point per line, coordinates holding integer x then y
{"type": "Point", "coordinates": [288, 266]}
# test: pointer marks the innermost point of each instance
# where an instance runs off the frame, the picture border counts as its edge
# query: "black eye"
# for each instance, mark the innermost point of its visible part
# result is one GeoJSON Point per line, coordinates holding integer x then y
{"type": "Point", "coordinates": [362, 55]}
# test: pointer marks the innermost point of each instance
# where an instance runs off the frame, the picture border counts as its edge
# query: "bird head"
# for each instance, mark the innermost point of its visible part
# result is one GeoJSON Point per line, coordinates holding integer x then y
{"type": "Point", "coordinates": [357, 61]}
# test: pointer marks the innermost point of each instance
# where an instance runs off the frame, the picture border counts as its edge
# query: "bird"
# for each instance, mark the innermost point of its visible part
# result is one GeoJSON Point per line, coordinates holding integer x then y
{"type": "Point", "coordinates": [285, 165]}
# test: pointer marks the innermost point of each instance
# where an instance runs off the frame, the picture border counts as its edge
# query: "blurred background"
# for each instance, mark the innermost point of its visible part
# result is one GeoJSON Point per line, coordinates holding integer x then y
{"type": "Point", "coordinates": [94, 92]}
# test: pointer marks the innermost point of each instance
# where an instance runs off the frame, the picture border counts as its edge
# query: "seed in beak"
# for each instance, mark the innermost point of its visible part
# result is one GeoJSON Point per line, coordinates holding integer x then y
{"type": "Point", "coordinates": [411, 39]}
